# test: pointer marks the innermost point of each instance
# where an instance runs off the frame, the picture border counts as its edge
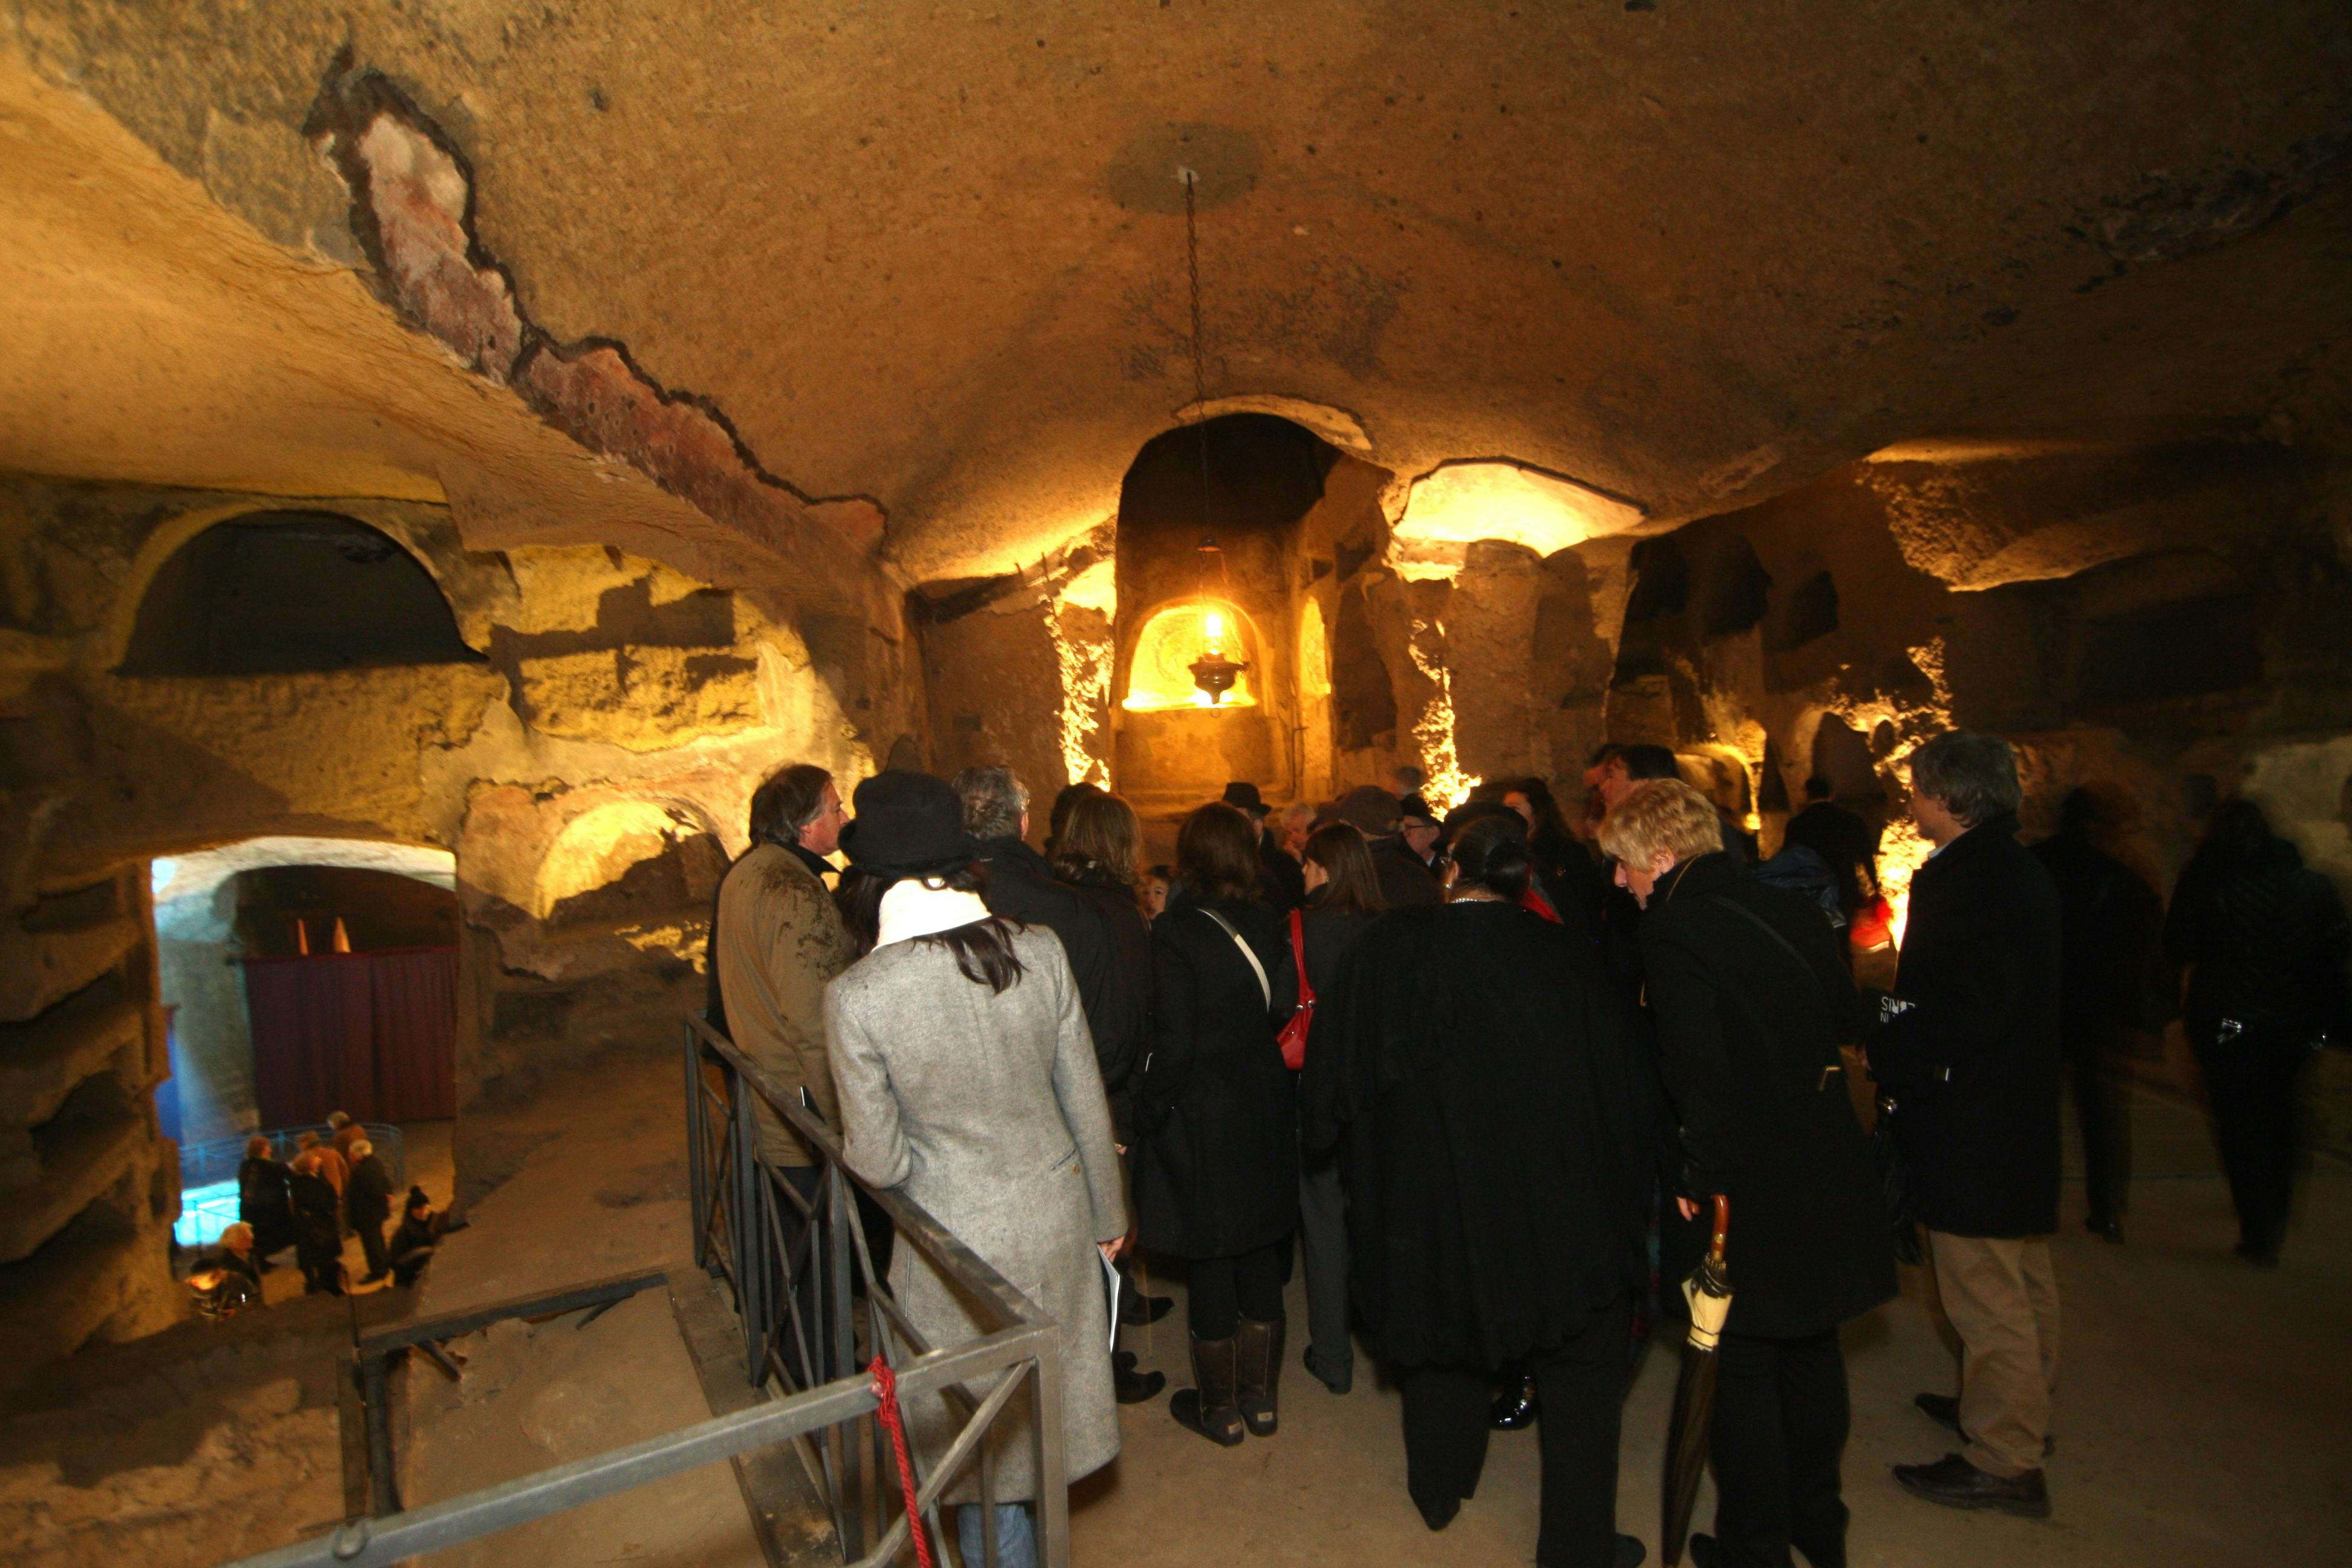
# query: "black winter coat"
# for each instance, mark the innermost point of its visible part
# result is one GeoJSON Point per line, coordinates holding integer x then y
{"type": "Point", "coordinates": [1130, 937]}
{"type": "Point", "coordinates": [1216, 1160]}
{"type": "Point", "coordinates": [1281, 880]}
{"type": "Point", "coordinates": [1846, 842]}
{"type": "Point", "coordinates": [318, 1232]}
{"type": "Point", "coordinates": [1405, 882]}
{"type": "Point", "coordinates": [1751, 999]}
{"type": "Point", "coordinates": [367, 1196]}
{"type": "Point", "coordinates": [1973, 1065]}
{"type": "Point", "coordinates": [262, 1203]}
{"type": "Point", "coordinates": [1493, 1123]}
{"type": "Point", "coordinates": [2267, 941]}
{"type": "Point", "coordinates": [2110, 919]}
{"type": "Point", "coordinates": [1021, 885]}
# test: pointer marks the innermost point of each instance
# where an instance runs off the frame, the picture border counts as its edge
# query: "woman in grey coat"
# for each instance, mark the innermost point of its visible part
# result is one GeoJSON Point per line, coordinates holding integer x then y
{"type": "Point", "coordinates": [968, 1081]}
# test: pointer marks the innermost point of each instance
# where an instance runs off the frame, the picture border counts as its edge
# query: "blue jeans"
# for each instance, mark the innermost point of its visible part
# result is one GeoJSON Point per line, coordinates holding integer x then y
{"type": "Point", "coordinates": [1016, 1538]}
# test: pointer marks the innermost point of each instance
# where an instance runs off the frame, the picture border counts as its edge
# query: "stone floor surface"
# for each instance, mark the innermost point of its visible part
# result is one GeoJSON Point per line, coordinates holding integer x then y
{"type": "Point", "coordinates": [2201, 1420]}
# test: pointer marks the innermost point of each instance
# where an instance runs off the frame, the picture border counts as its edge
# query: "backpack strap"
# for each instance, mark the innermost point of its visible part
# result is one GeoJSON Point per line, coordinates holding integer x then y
{"type": "Point", "coordinates": [1265, 985]}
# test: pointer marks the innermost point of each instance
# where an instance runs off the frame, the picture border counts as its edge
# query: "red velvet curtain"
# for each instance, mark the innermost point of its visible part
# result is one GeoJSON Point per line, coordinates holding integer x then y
{"type": "Point", "coordinates": [374, 1034]}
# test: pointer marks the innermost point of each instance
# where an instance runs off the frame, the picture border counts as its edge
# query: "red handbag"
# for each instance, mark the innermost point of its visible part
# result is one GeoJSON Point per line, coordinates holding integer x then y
{"type": "Point", "coordinates": [1293, 1038]}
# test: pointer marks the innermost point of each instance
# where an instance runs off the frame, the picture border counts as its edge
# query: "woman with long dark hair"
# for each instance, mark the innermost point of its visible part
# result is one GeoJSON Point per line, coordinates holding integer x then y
{"type": "Point", "coordinates": [966, 1078]}
{"type": "Point", "coordinates": [1217, 1166]}
{"type": "Point", "coordinates": [1095, 850]}
{"type": "Point", "coordinates": [2264, 939]}
{"type": "Point", "coordinates": [1343, 898]}
{"type": "Point", "coordinates": [1474, 1068]}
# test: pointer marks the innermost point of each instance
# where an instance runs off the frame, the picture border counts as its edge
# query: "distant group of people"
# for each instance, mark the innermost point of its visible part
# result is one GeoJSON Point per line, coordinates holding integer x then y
{"type": "Point", "coordinates": [334, 1187]}
{"type": "Point", "coordinates": [1484, 1077]}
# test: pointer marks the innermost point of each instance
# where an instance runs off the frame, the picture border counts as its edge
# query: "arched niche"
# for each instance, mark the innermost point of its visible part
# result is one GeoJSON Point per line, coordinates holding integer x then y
{"type": "Point", "coordinates": [626, 860]}
{"type": "Point", "coordinates": [1159, 673]}
{"type": "Point", "coordinates": [278, 593]}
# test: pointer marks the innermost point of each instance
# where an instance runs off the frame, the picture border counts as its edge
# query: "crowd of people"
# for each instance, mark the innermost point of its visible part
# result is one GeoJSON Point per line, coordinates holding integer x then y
{"type": "Point", "coordinates": [1484, 1077]}
{"type": "Point", "coordinates": [335, 1187]}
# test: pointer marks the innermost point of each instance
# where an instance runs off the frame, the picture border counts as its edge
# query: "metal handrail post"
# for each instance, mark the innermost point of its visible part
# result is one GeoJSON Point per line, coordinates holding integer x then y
{"type": "Point", "coordinates": [697, 1154]}
{"type": "Point", "coordinates": [1052, 1503]}
{"type": "Point", "coordinates": [750, 1265]}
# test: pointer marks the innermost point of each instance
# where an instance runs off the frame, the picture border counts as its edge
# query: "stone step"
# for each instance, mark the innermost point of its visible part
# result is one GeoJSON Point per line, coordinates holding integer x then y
{"type": "Point", "coordinates": [42, 965]}
{"type": "Point", "coordinates": [78, 1164]}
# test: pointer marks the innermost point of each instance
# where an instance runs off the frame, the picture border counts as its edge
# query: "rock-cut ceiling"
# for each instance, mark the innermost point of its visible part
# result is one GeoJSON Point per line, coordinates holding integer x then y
{"type": "Point", "coordinates": [795, 264]}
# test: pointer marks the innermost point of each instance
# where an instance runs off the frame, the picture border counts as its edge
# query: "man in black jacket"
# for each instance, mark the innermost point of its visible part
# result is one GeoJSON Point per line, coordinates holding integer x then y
{"type": "Point", "coordinates": [2112, 922]}
{"type": "Point", "coordinates": [1405, 880]}
{"type": "Point", "coordinates": [367, 1204]}
{"type": "Point", "coordinates": [1849, 844]}
{"type": "Point", "coordinates": [1973, 1063]}
{"type": "Point", "coordinates": [1021, 886]}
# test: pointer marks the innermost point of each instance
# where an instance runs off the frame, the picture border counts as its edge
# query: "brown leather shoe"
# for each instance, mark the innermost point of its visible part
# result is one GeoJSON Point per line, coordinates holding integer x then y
{"type": "Point", "coordinates": [1954, 1482]}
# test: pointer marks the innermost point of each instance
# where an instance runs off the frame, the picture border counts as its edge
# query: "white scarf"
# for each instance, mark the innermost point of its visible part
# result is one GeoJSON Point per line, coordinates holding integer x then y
{"type": "Point", "coordinates": [911, 910]}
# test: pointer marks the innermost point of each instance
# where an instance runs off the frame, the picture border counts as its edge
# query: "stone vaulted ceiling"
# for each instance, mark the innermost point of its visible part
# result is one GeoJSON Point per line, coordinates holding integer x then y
{"type": "Point", "coordinates": [1688, 255]}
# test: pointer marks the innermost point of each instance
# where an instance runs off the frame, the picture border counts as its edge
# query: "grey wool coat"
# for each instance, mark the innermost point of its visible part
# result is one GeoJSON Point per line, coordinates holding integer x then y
{"type": "Point", "coordinates": [987, 1109]}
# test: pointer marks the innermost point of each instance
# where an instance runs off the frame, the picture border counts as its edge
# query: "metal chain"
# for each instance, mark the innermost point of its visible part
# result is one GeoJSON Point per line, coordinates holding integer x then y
{"type": "Point", "coordinates": [1200, 359]}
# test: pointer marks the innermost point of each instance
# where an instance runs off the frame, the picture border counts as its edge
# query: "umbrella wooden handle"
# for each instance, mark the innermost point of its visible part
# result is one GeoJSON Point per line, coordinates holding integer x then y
{"type": "Point", "coordinates": [1722, 1225]}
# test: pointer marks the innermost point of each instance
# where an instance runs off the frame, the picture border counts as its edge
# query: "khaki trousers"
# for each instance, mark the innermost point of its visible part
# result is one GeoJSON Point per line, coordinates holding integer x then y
{"type": "Point", "coordinates": [2001, 1296]}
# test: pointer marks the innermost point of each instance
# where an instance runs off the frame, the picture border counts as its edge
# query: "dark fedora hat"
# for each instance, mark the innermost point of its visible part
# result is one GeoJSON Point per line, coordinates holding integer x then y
{"type": "Point", "coordinates": [907, 824]}
{"type": "Point", "coordinates": [1245, 795]}
{"type": "Point", "coordinates": [1413, 808]}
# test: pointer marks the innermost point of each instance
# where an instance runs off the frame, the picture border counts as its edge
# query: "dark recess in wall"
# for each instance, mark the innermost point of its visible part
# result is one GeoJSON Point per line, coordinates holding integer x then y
{"type": "Point", "coordinates": [286, 591]}
{"type": "Point", "coordinates": [1363, 701]}
{"type": "Point", "coordinates": [1812, 613]}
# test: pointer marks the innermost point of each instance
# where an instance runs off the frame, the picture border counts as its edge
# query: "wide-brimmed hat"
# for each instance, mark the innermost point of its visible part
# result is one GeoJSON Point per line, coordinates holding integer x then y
{"type": "Point", "coordinates": [907, 824]}
{"type": "Point", "coordinates": [1370, 809]}
{"type": "Point", "coordinates": [1245, 795]}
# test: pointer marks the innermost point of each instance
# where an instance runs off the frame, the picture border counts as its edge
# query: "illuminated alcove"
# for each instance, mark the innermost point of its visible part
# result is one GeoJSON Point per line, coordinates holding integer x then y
{"type": "Point", "coordinates": [1160, 676]}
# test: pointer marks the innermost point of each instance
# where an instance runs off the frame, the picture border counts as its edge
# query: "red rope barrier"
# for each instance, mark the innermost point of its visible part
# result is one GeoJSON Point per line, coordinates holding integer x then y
{"type": "Point", "coordinates": [885, 1392]}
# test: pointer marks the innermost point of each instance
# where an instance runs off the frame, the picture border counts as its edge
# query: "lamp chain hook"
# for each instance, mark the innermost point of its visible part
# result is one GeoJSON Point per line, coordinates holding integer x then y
{"type": "Point", "coordinates": [1191, 179]}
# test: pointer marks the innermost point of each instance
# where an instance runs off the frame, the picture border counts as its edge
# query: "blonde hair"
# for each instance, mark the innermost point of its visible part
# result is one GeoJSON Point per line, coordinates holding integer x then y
{"type": "Point", "coordinates": [239, 1232]}
{"type": "Point", "coordinates": [1662, 816]}
{"type": "Point", "coordinates": [362, 1148]}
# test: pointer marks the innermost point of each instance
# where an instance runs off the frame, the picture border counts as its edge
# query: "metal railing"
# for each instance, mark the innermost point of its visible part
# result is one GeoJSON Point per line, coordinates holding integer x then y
{"type": "Point", "coordinates": [217, 1159]}
{"type": "Point", "coordinates": [803, 1290]}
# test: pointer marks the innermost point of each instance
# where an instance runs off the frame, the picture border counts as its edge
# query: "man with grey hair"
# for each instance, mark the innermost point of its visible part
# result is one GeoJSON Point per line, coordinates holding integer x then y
{"type": "Point", "coordinates": [1972, 1059]}
{"type": "Point", "coordinates": [1021, 886]}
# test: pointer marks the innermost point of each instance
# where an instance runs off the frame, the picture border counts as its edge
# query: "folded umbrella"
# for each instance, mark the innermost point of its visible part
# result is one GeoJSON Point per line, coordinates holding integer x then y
{"type": "Point", "coordinates": [1708, 1292]}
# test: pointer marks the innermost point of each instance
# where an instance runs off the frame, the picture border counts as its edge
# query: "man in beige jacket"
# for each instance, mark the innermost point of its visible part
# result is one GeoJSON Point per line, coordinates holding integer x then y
{"type": "Point", "coordinates": [776, 943]}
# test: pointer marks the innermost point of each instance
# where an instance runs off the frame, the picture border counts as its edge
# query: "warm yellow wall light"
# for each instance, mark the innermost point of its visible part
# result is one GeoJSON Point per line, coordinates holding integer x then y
{"type": "Point", "coordinates": [1161, 676]}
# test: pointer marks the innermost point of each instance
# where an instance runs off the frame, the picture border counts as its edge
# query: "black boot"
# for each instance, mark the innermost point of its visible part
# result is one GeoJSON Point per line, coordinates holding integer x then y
{"type": "Point", "coordinates": [1515, 1407]}
{"type": "Point", "coordinates": [1211, 1408]}
{"type": "Point", "coordinates": [1131, 1387]}
{"type": "Point", "coordinates": [1258, 1372]}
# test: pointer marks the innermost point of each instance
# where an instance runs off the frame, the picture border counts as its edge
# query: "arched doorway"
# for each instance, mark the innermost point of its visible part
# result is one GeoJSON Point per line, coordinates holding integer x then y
{"type": "Point", "coordinates": [1245, 481]}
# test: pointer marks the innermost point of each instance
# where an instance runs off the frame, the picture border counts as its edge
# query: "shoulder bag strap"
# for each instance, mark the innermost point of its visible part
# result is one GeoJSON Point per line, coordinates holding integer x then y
{"type": "Point", "coordinates": [1299, 954]}
{"type": "Point", "coordinates": [1263, 984]}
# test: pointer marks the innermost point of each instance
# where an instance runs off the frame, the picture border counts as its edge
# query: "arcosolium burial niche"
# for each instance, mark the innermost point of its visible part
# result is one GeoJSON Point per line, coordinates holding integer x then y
{"type": "Point", "coordinates": [286, 591]}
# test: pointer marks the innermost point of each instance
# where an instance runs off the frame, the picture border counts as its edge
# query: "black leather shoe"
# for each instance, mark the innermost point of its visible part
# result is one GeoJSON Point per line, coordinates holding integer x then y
{"type": "Point", "coordinates": [1134, 1307]}
{"type": "Point", "coordinates": [2107, 1227]}
{"type": "Point", "coordinates": [1954, 1482]}
{"type": "Point", "coordinates": [1944, 1411]}
{"type": "Point", "coordinates": [1515, 1407]}
{"type": "Point", "coordinates": [1130, 1387]}
{"type": "Point", "coordinates": [1630, 1550]}
{"type": "Point", "coordinates": [1705, 1553]}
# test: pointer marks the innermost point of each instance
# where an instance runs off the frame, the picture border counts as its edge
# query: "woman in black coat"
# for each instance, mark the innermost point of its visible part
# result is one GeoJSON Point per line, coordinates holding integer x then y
{"type": "Point", "coordinates": [2264, 941]}
{"type": "Point", "coordinates": [1343, 899]}
{"type": "Point", "coordinates": [318, 1226]}
{"type": "Point", "coordinates": [1475, 1069]}
{"type": "Point", "coordinates": [1216, 1160]}
{"type": "Point", "coordinates": [261, 1200]}
{"type": "Point", "coordinates": [1097, 844]}
{"type": "Point", "coordinates": [1752, 1000]}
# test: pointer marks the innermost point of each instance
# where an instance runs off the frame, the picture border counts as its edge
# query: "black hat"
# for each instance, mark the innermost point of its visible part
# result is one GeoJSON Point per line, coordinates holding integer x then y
{"type": "Point", "coordinates": [1369, 810]}
{"type": "Point", "coordinates": [1415, 809]}
{"type": "Point", "coordinates": [907, 824]}
{"type": "Point", "coordinates": [1245, 795]}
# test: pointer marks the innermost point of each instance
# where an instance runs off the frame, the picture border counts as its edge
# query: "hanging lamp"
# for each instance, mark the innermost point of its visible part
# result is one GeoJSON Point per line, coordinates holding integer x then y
{"type": "Point", "coordinates": [1214, 673]}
